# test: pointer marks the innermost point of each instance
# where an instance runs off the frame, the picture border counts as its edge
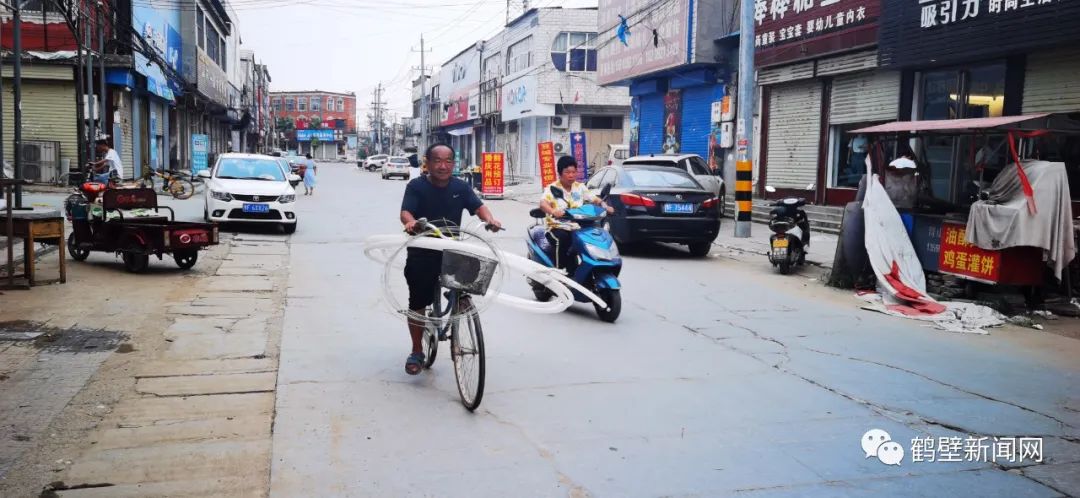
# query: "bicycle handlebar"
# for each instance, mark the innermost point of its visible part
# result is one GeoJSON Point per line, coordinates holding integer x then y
{"type": "Point", "coordinates": [422, 224]}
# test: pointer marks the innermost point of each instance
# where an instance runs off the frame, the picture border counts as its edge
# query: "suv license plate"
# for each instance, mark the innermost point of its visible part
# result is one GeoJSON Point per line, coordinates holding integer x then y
{"type": "Point", "coordinates": [256, 208]}
{"type": "Point", "coordinates": [678, 208]}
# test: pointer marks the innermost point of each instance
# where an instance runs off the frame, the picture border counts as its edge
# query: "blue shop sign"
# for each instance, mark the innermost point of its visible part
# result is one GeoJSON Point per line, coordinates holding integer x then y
{"type": "Point", "coordinates": [322, 135]}
{"type": "Point", "coordinates": [160, 27]}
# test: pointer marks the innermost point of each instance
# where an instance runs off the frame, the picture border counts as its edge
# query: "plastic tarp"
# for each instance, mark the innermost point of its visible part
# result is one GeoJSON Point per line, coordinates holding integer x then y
{"type": "Point", "coordinates": [1003, 220]}
{"type": "Point", "coordinates": [899, 273]}
{"type": "Point", "coordinates": [901, 281]}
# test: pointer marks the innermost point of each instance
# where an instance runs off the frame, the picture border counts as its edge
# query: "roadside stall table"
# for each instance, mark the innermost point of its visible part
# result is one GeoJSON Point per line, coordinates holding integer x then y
{"type": "Point", "coordinates": [34, 226]}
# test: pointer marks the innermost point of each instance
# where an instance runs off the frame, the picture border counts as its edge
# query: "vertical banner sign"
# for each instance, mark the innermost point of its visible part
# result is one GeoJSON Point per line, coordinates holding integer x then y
{"type": "Point", "coordinates": [492, 171]}
{"type": "Point", "coordinates": [959, 257]}
{"type": "Point", "coordinates": [635, 124]}
{"type": "Point", "coordinates": [200, 151]}
{"type": "Point", "coordinates": [547, 164]}
{"type": "Point", "coordinates": [672, 115]}
{"type": "Point", "coordinates": [581, 155]}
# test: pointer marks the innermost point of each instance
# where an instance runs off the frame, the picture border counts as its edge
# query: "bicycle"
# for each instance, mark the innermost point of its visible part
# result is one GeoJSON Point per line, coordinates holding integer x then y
{"type": "Point", "coordinates": [173, 182]}
{"type": "Point", "coordinates": [463, 275]}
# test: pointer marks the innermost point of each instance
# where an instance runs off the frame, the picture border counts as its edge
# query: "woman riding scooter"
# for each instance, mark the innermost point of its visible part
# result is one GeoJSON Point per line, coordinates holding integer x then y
{"type": "Point", "coordinates": [575, 195]}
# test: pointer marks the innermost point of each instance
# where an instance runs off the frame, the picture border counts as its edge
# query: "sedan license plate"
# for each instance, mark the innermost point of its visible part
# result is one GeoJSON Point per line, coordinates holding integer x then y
{"type": "Point", "coordinates": [256, 208]}
{"type": "Point", "coordinates": [683, 207]}
{"type": "Point", "coordinates": [779, 243]}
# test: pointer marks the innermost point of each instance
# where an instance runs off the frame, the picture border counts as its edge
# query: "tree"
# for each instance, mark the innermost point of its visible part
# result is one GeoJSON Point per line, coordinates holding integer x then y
{"type": "Point", "coordinates": [316, 123]}
{"type": "Point", "coordinates": [284, 124]}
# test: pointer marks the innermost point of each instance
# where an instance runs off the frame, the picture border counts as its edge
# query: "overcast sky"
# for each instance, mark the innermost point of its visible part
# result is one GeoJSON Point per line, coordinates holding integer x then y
{"type": "Point", "coordinates": [353, 45]}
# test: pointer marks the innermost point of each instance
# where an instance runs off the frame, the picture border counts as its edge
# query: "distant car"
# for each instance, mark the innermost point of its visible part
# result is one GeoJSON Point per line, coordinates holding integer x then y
{"type": "Point", "coordinates": [396, 166]}
{"type": "Point", "coordinates": [690, 163]}
{"type": "Point", "coordinates": [250, 188]}
{"type": "Point", "coordinates": [375, 163]}
{"type": "Point", "coordinates": [658, 204]}
{"type": "Point", "coordinates": [617, 154]}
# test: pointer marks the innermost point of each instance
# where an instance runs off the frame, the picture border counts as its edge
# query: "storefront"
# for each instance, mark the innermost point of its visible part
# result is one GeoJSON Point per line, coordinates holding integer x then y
{"type": "Point", "coordinates": [676, 112]}
{"type": "Point", "coordinates": [819, 78]}
{"type": "Point", "coordinates": [976, 60]}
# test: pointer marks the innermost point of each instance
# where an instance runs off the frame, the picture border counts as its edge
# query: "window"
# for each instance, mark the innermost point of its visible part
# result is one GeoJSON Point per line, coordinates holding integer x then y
{"type": "Point", "coordinates": [277, 104]}
{"type": "Point", "coordinates": [301, 104]}
{"type": "Point", "coordinates": [316, 103]}
{"type": "Point", "coordinates": [849, 152]}
{"type": "Point", "coordinates": [519, 56]}
{"type": "Point", "coordinates": [574, 52]}
{"type": "Point", "coordinates": [211, 41]}
{"type": "Point", "coordinates": [341, 104]}
{"type": "Point", "coordinates": [290, 104]}
{"type": "Point", "coordinates": [698, 166]}
{"type": "Point", "coordinates": [222, 57]}
{"type": "Point", "coordinates": [658, 178]}
{"type": "Point", "coordinates": [970, 92]}
{"type": "Point", "coordinates": [329, 103]}
{"type": "Point", "coordinates": [200, 21]}
{"type": "Point", "coordinates": [601, 122]}
{"type": "Point", "coordinates": [492, 66]}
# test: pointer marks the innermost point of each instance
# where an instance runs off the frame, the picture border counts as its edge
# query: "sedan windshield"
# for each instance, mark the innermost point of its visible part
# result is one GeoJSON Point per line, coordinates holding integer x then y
{"type": "Point", "coordinates": [658, 178]}
{"type": "Point", "coordinates": [234, 168]}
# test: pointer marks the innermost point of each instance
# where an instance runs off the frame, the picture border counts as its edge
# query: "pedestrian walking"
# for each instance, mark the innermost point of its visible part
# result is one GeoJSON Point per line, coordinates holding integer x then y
{"type": "Point", "coordinates": [309, 176]}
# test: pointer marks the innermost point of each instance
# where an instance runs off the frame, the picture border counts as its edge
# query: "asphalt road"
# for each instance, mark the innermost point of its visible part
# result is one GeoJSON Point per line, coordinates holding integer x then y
{"type": "Point", "coordinates": [719, 377]}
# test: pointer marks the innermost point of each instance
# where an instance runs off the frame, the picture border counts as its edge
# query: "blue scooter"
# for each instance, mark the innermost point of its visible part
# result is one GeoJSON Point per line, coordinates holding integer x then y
{"type": "Point", "coordinates": [599, 261]}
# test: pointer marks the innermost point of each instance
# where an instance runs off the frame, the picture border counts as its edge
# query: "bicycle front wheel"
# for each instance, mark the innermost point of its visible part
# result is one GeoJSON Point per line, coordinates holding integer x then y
{"type": "Point", "coordinates": [182, 189]}
{"type": "Point", "coordinates": [467, 352]}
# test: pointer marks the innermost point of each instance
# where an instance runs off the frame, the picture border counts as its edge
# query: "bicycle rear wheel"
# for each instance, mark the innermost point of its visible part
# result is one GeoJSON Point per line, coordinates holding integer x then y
{"type": "Point", "coordinates": [467, 352]}
{"type": "Point", "coordinates": [181, 189]}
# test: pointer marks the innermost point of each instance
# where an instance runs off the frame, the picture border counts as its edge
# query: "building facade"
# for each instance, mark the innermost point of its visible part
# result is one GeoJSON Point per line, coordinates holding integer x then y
{"type": "Point", "coordinates": [171, 95]}
{"type": "Point", "coordinates": [533, 82]}
{"type": "Point", "coordinates": [678, 61]}
{"type": "Point", "coordinates": [325, 118]}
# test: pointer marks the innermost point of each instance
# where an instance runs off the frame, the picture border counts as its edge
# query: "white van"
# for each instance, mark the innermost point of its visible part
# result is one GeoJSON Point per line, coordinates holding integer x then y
{"type": "Point", "coordinates": [617, 153]}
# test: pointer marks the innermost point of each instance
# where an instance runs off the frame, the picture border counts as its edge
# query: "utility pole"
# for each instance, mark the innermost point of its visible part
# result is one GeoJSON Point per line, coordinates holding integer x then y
{"type": "Point", "coordinates": [744, 166]}
{"type": "Point", "coordinates": [17, 76]}
{"type": "Point", "coordinates": [423, 100]}
{"type": "Point", "coordinates": [91, 102]}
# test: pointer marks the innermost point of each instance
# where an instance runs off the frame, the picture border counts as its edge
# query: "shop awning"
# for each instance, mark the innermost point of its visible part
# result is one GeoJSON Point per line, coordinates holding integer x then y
{"type": "Point", "coordinates": [457, 132]}
{"type": "Point", "coordinates": [1004, 123]}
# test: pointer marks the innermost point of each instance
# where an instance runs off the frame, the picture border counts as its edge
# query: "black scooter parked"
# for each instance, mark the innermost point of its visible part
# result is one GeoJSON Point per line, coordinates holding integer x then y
{"type": "Point", "coordinates": [791, 233]}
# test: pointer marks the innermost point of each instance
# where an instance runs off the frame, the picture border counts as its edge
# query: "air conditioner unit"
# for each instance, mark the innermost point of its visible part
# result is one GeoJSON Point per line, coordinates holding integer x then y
{"type": "Point", "coordinates": [560, 122]}
{"type": "Point", "coordinates": [41, 160]}
{"type": "Point", "coordinates": [559, 147]}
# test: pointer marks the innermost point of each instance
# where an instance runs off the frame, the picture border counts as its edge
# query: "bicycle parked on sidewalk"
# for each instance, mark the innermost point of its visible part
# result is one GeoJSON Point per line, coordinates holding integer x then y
{"type": "Point", "coordinates": [463, 275]}
{"type": "Point", "coordinates": [176, 183]}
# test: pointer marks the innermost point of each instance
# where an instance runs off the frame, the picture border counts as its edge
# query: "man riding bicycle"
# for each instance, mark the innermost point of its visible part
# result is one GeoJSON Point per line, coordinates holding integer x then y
{"type": "Point", "coordinates": [440, 198]}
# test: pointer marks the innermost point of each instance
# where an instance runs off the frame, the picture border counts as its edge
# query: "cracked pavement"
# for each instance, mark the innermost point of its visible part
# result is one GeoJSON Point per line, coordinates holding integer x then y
{"type": "Point", "coordinates": [720, 377]}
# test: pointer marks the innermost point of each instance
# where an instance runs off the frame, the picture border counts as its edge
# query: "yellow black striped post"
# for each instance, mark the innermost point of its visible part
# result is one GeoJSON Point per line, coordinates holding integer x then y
{"type": "Point", "coordinates": [744, 178]}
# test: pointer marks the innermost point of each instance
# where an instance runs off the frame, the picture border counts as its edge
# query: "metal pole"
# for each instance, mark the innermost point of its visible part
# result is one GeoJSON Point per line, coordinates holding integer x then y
{"type": "Point", "coordinates": [17, 74]}
{"type": "Point", "coordinates": [80, 100]}
{"type": "Point", "coordinates": [101, 71]}
{"type": "Point", "coordinates": [91, 102]}
{"type": "Point", "coordinates": [423, 100]}
{"type": "Point", "coordinates": [744, 167]}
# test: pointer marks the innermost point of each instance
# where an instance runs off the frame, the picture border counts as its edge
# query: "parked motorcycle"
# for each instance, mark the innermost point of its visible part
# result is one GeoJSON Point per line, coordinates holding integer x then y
{"type": "Point", "coordinates": [599, 261]}
{"type": "Point", "coordinates": [791, 233]}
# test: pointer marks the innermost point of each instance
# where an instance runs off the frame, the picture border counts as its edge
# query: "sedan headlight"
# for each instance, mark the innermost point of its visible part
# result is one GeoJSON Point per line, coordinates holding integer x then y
{"type": "Point", "coordinates": [221, 196]}
{"type": "Point", "coordinates": [598, 252]}
{"type": "Point", "coordinates": [285, 199]}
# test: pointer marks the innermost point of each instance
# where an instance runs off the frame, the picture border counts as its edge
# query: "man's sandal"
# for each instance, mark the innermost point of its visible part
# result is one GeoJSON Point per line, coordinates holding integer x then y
{"type": "Point", "coordinates": [414, 364]}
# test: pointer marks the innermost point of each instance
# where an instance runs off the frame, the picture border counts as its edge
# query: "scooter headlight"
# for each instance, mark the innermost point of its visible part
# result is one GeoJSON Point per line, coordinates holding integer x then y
{"type": "Point", "coordinates": [607, 254]}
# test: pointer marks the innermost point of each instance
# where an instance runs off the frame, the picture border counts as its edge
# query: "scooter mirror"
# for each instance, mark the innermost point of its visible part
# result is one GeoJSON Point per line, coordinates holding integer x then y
{"type": "Point", "coordinates": [556, 192]}
{"type": "Point", "coordinates": [604, 192]}
{"type": "Point", "coordinates": [770, 189]}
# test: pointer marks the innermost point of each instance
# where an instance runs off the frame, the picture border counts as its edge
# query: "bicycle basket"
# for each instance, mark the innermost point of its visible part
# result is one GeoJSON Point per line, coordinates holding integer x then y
{"type": "Point", "coordinates": [466, 272]}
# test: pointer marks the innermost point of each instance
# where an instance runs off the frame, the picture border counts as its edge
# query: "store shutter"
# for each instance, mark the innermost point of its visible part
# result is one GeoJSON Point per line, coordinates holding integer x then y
{"type": "Point", "coordinates": [1050, 83]}
{"type": "Point", "coordinates": [48, 115]}
{"type": "Point", "coordinates": [793, 134]}
{"type": "Point", "coordinates": [697, 117]}
{"type": "Point", "coordinates": [651, 126]}
{"type": "Point", "coordinates": [866, 96]}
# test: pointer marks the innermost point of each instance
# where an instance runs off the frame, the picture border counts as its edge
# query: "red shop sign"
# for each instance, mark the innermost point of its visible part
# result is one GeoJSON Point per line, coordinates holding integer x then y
{"type": "Point", "coordinates": [789, 30]}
